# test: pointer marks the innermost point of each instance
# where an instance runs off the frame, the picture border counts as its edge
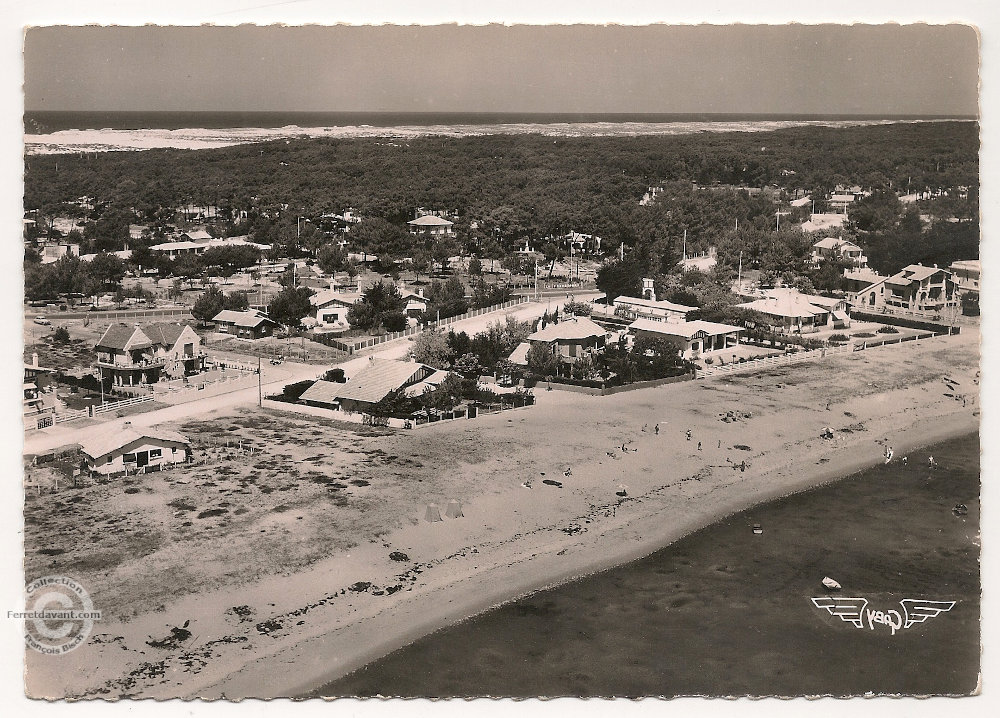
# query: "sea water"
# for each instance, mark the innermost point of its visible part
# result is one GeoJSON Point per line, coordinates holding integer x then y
{"type": "Point", "coordinates": [726, 611]}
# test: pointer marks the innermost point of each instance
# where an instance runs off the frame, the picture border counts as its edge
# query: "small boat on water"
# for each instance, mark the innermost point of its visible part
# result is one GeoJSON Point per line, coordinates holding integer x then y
{"type": "Point", "coordinates": [830, 585]}
{"type": "Point", "coordinates": [757, 529]}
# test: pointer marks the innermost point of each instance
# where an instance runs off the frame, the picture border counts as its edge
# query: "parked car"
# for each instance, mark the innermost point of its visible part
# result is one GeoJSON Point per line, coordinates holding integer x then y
{"type": "Point", "coordinates": [43, 321]}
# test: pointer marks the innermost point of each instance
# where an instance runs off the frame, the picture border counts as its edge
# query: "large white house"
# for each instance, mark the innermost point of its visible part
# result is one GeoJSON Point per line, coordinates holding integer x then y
{"type": "Point", "coordinates": [115, 452]}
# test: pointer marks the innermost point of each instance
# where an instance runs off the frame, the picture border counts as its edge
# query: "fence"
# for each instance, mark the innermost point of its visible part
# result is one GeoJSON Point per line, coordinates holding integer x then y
{"type": "Point", "coordinates": [350, 348]}
{"type": "Point", "coordinates": [121, 314]}
{"type": "Point", "coordinates": [802, 356]}
{"type": "Point", "coordinates": [74, 414]}
{"type": "Point", "coordinates": [113, 405]}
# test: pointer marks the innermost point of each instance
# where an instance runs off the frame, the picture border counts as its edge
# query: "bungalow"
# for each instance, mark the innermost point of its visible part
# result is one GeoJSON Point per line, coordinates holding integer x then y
{"type": "Point", "coordinates": [789, 314]}
{"type": "Point", "coordinates": [369, 385]}
{"type": "Point", "coordinates": [837, 309]}
{"type": "Point", "coordinates": [919, 290]}
{"type": "Point", "coordinates": [569, 340]}
{"type": "Point", "coordinates": [839, 249]}
{"type": "Point", "coordinates": [693, 339]}
{"type": "Point", "coordinates": [431, 226]}
{"type": "Point", "coordinates": [132, 355]}
{"type": "Point", "coordinates": [247, 324]}
{"type": "Point", "coordinates": [332, 307]}
{"type": "Point", "coordinates": [115, 452]}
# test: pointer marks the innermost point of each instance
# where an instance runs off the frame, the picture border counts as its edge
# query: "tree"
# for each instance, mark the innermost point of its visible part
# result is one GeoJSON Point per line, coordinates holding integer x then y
{"type": "Point", "coordinates": [236, 301]}
{"type": "Point", "coordinates": [187, 266]}
{"type": "Point", "coordinates": [621, 278]}
{"type": "Point", "coordinates": [176, 290]}
{"type": "Point", "coordinates": [290, 306]}
{"type": "Point", "coordinates": [553, 253]}
{"type": "Point", "coordinates": [475, 267]}
{"type": "Point", "coordinates": [331, 259]}
{"type": "Point", "coordinates": [445, 299]}
{"type": "Point", "coordinates": [208, 305]}
{"type": "Point", "coordinates": [431, 348]}
{"type": "Point", "coordinates": [378, 236]}
{"type": "Point", "coordinates": [542, 361]}
{"type": "Point", "coordinates": [106, 269]}
{"type": "Point", "coordinates": [381, 305]}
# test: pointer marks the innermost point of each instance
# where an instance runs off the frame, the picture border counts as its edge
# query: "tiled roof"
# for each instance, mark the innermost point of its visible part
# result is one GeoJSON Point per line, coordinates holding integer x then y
{"type": "Point", "coordinates": [164, 334]}
{"type": "Point", "coordinates": [579, 328]}
{"type": "Point", "coordinates": [105, 443]}
{"type": "Point", "coordinates": [242, 319]}
{"type": "Point", "coordinates": [429, 220]}
{"type": "Point", "coordinates": [370, 384]}
{"type": "Point", "coordinates": [667, 306]}
{"type": "Point", "coordinates": [117, 336]}
{"type": "Point", "coordinates": [683, 329]}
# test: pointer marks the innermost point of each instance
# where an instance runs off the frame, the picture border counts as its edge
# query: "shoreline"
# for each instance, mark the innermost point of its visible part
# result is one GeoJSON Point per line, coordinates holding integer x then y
{"type": "Point", "coordinates": [310, 626]}
{"type": "Point", "coordinates": [847, 464]}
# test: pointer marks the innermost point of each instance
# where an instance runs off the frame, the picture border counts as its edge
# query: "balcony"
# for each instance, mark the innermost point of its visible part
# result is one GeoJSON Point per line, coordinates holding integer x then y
{"type": "Point", "coordinates": [122, 364]}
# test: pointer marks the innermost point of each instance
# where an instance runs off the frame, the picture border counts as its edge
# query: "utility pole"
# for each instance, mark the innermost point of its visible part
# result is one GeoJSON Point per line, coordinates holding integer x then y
{"type": "Point", "coordinates": [684, 251]}
{"type": "Point", "coordinates": [260, 388]}
{"type": "Point", "coordinates": [739, 274]}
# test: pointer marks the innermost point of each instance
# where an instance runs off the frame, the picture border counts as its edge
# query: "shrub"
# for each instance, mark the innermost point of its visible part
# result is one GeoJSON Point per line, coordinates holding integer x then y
{"type": "Point", "coordinates": [838, 337]}
{"type": "Point", "coordinates": [292, 392]}
{"type": "Point", "coordinates": [61, 335]}
{"type": "Point", "coordinates": [336, 374]}
{"type": "Point", "coordinates": [863, 335]}
{"type": "Point", "coordinates": [887, 329]}
{"type": "Point", "coordinates": [708, 361]}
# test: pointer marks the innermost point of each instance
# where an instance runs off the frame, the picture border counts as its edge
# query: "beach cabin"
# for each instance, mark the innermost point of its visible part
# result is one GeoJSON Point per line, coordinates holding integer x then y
{"type": "Point", "coordinates": [693, 339]}
{"type": "Point", "coordinates": [247, 324]}
{"type": "Point", "coordinates": [789, 314]}
{"type": "Point", "coordinates": [116, 452]}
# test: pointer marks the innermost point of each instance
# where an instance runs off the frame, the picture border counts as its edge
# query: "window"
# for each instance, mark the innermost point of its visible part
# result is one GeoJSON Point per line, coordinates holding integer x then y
{"type": "Point", "coordinates": [155, 453]}
{"type": "Point", "coordinates": [128, 458]}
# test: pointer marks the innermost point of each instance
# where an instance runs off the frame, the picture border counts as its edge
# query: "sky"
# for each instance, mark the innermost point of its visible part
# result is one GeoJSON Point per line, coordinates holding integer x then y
{"type": "Point", "coordinates": [840, 69]}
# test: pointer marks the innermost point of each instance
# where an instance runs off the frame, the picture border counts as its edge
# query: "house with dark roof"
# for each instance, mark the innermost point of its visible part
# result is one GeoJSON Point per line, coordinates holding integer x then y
{"type": "Point", "coordinates": [247, 324]}
{"type": "Point", "coordinates": [115, 452]}
{"type": "Point", "coordinates": [134, 355]}
{"type": "Point", "coordinates": [569, 340]}
{"type": "Point", "coordinates": [368, 386]}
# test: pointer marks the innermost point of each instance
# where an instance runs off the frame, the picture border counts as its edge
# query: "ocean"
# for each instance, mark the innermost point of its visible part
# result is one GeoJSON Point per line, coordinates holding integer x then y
{"type": "Point", "coordinates": [726, 611]}
{"type": "Point", "coordinates": [59, 132]}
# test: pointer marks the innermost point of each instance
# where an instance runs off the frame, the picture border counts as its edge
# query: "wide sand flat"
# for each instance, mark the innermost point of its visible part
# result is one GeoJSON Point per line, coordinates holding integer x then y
{"type": "Point", "coordinates": [306, 625]}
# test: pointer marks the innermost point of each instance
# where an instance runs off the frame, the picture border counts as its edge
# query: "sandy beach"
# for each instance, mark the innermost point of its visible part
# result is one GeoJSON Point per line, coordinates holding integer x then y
{"type": "Point", "coordinates": [303, 627]}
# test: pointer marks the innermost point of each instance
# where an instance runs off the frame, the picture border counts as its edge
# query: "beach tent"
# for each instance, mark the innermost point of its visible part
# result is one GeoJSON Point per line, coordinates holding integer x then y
{"type": "Point", "coordinates": [433, 513]}
{"type": "Point", "coordinates": [454, 510]}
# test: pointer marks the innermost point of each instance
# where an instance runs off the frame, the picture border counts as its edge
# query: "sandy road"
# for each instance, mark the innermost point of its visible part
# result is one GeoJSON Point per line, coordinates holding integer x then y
{"type": "Point", "coordinates": [273, 379]}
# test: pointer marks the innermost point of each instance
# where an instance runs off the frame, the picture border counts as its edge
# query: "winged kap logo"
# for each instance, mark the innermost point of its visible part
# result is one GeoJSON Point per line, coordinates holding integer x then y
{"type": "Point", "coordinates": [856, 612]}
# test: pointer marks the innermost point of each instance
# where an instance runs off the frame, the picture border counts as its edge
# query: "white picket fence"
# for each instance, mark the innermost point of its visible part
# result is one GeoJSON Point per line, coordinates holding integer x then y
{"type": "Point", "coordinates": [773, 360]}
{"type": "Point", "coordinates": [72, 415]}
{"type": "Point", "coordinates": [113, 405]}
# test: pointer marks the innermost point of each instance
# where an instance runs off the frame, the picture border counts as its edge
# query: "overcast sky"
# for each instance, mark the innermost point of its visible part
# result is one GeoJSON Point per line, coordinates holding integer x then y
{"type": "Point", "coordinates": [915, 69]}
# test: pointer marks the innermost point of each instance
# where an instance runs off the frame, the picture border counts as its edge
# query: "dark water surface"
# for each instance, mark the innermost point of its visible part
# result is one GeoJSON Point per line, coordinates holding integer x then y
{"type": "Point", "coordinates": [727, 612]}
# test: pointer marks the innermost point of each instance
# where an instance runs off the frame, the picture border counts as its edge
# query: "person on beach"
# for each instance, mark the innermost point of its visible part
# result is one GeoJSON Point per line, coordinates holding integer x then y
{"type": "Point", "coordinates": [904, 461]}
{"type": "Point", "coordinates": [644, 426]}
{"type": "Point", "coordinates": [656, 429]}
{"type": "Point", "coordinates": [828, 406]}
{"type": "Point", "coordinates": [699, 446]}
{"type": "Point", "coordinates": [888, 455]}
{"type": "Point", "coordinates": [931, 463]}
{"type": "Point", "coordinates": [720, 444]}
{"type": "Point", "coordinates": [568, 471]}
{"type": "Point", "coordinates": [689, 434]}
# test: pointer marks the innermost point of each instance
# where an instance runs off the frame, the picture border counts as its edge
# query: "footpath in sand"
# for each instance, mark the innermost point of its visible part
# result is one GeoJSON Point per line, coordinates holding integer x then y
{"type": "Point", "coordinates": [284, 635]}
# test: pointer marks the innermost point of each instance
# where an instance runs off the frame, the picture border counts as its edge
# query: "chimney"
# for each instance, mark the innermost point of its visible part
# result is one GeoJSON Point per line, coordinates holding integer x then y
{"type": "Point", "coordinates": [34, 359]}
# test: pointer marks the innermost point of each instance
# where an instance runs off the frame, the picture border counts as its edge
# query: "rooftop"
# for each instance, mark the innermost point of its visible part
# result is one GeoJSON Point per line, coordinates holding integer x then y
{"type": "Point", "coordinates": [578, 328]}
{"type": "Point", "coordinates": [370, 384]}
{"type": "Point", "coordinates": [686, 330]}
{"type": "Point", "coordinates": [106, 442]}
{"type": "Point", "coordinates": [430, 220]}
{"type": "Point", "coordinates": [666, 306]}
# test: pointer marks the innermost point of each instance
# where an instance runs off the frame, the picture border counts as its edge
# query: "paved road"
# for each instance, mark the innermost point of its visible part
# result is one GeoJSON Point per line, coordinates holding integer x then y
{"type": "Point", "coordinates": [274, 378]}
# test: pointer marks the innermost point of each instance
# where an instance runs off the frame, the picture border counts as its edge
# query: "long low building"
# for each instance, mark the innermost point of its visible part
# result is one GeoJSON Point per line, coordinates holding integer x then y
{"type": "Point", "coordinates": [790, 312]}
{"type": "Point", "coordinates": [694, 339]}
{"type": "Point", "coordinates": [131, 450]}
{"type": "Point", "coordinates": [368, 386]}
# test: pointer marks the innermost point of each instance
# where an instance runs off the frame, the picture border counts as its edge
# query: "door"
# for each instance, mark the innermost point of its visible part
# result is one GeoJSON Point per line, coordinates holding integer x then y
{"type": "Point", "coordinates": [141, 458]}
